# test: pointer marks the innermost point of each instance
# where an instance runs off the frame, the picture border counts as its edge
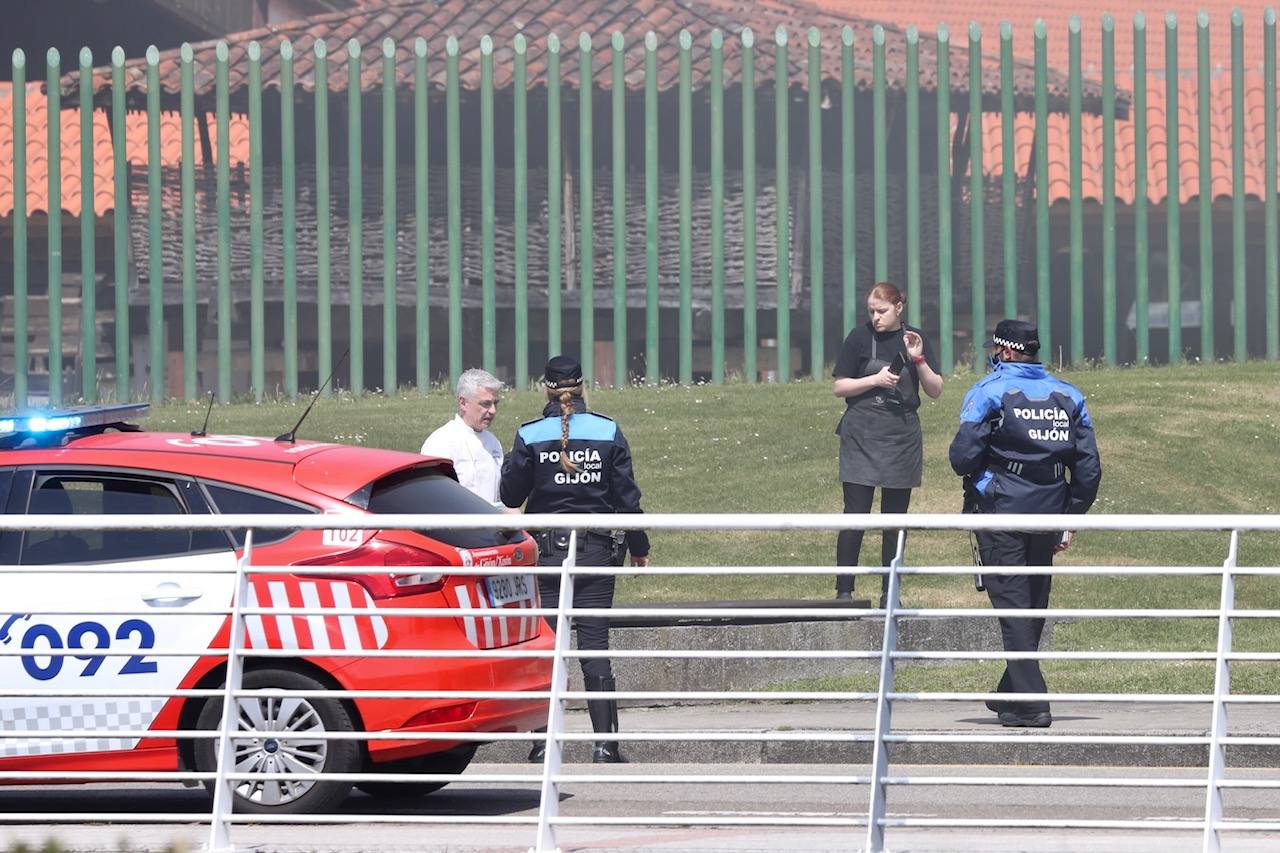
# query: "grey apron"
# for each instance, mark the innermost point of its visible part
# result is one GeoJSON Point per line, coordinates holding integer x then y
{"type": "Point", "coordinates": [880, 439]}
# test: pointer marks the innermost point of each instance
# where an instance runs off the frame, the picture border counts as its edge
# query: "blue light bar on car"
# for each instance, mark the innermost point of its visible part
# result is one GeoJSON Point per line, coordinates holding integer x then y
{"type": "Point", "coordinates": [55, 424]}
{"type": "Point", "coordinates": [67, 420]}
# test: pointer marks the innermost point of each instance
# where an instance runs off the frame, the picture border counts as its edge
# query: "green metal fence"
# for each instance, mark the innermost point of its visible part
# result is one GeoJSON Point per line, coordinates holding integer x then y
{"type": "Point", "coordinates": [957, 237]}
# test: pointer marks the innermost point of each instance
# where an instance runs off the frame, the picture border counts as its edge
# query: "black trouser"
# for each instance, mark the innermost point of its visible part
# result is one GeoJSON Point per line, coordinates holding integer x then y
{"type": "Point", "coordinates": [1023, 592]}
{"type": "Point", "coordinates": [857, 498]}
{"type": "Point", "coordinates": [588, 591]}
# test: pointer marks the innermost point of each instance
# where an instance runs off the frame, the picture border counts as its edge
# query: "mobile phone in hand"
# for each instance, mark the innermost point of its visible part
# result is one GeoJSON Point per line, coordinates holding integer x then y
{"type": "Point", "coordinates": [899, 362]}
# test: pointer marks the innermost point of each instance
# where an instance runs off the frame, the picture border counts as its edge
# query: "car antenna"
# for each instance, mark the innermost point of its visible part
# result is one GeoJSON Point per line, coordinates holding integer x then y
{"type": "Point", "coordinates": [291, 435]}
{"type": "Point", "coordinates": [203, 431]}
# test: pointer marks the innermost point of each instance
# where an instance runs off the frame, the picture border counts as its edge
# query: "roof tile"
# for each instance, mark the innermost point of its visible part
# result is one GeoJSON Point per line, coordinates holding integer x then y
{"type": "Point", "coordinates": [103, 152]}
{"type": "Point", "coordinates": [537, 18]}
{"type": "Point", "coordinates": [1059, 147]}
{"type": "Point", "coordinates": [1022, 16]}
{"type": "Point", "coordinates": [988, 14]}
{"type": "Point", "coordinates": [404, 21]}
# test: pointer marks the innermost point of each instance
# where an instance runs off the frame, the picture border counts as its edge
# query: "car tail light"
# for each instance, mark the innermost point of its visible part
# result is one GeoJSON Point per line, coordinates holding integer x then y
{"type": "Point", "coordinates": [439, 716]}
{"type": "Point", "coordinates": [377, 552]}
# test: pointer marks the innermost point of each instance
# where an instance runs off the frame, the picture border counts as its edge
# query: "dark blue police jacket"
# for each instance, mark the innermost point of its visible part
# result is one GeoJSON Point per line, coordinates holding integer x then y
{"type": "Point", "coordinates": [603, 483]}
{"type": "Point", "coordinates": [1021, 430]}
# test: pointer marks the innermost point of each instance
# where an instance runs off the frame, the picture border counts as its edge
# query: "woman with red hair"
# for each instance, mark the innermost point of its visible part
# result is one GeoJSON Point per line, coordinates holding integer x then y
{"type": "Point", "coordinates": [882, 367]}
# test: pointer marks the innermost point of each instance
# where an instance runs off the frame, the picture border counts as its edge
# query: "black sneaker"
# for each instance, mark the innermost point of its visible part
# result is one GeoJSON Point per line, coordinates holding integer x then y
{"type": "Point", "coordinates": [538, 754]}
{"type": "Point", "coordinates": [1039, 720]}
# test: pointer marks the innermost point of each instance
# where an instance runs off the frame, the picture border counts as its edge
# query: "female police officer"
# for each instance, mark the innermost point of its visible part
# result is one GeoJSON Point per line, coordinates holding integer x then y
{"type": "Point", "coordinates": [572, 460]}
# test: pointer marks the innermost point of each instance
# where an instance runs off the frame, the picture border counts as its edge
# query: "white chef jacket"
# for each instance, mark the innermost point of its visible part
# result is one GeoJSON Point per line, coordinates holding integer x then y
{"type": "Point", "coordinates": [477, 456]}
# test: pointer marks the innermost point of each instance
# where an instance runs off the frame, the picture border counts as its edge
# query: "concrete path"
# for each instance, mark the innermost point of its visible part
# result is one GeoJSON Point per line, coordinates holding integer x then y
{"type": "Point", "coordinates": [654, 734]}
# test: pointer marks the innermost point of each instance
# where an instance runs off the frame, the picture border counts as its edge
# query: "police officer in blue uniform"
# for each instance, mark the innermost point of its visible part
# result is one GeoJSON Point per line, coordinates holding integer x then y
{"type": "Point", "coordinates": [574, 461]}
{"type": "Point", "coordinates": [1022, 432]}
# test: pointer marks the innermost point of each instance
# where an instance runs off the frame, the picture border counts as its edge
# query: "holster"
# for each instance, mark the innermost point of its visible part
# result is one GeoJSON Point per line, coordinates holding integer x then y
{"type": "Point", "coordinates": [969, 501]}
{"type": "Point", "coordinates": [970, 505]}
{"type": "Point", "coordinates": [618, 548]}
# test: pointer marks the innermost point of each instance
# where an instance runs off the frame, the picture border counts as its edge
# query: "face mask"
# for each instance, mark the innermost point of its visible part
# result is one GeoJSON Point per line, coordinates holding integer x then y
{"type": "Point", "coordinates": [994, 360]}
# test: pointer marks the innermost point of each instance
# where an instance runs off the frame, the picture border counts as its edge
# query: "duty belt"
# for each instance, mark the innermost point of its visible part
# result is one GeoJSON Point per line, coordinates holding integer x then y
{"type": "Point", "coordinates": [558, 540]}
{"type": "Point", "coordinates": [1040, 473]}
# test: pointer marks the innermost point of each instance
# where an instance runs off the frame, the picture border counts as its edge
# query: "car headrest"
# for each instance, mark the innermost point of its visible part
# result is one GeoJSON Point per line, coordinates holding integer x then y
{"type": "Point", "coordinates": [134, 502]}
{"type": "Point", "coordinates": [51, 499]}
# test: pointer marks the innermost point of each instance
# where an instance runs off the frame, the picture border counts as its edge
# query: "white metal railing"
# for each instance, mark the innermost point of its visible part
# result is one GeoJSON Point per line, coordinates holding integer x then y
{"type": "Point", "coordinates": [553, 776]}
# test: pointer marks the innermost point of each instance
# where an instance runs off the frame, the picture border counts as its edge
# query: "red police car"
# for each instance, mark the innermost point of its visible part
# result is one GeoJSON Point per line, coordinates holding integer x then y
{"type": "Point", "coordinates": [172, 583]}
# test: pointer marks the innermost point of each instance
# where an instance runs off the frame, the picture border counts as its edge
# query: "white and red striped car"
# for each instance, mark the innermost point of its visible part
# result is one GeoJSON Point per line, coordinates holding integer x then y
{"type": "Point", "coordinates": [91, 462]}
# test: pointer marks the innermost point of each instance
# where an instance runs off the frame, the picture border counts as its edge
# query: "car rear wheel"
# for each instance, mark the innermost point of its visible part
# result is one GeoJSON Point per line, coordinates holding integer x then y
{"type": "Point", "coordinates": [454, 762]}
{"type": "Point", "coordinates": [295, 746]}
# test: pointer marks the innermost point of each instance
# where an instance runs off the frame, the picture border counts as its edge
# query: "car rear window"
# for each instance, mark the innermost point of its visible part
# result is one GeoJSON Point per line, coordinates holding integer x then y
{"type": "Point", "coordinates": [229, 500]}
{"type": "Point", "coordinates": [420, 490]}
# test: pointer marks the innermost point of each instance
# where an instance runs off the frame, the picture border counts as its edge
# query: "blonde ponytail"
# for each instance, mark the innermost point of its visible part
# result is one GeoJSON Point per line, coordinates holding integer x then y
{"type": "Point", "coordinates": [565, 397]}
{"type": "Point", "coordinates": [566, 409]}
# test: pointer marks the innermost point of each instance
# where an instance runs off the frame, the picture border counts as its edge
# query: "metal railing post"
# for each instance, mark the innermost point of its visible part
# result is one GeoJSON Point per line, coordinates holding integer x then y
{"type": "Point", "coordinates": [549, 806]}
{"type": "Point", "coordinates": [223, 795]}
{"type": "Point", "coordinates": [1221, 689]}
{"type": "Point", "coordinates": [884, 711]}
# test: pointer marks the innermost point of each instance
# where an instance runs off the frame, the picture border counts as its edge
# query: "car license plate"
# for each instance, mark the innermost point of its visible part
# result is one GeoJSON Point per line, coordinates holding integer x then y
{"type": "Point", "coordinates": [509, 589]}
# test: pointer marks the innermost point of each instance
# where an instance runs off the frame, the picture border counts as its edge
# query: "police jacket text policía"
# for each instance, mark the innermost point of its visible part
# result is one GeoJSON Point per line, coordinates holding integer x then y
{"type": "Point", "coordinates": [1021, 430]}
{"type": "Point", "coordinates": [604, 481]}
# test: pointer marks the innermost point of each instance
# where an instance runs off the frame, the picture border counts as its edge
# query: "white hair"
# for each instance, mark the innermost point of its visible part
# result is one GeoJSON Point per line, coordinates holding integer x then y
{"type": "Point", "coordinates": [471, 381]}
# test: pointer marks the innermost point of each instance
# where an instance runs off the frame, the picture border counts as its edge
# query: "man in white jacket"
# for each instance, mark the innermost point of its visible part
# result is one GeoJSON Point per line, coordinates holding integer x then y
{"type": "Point", "coordinates": [476, 452]}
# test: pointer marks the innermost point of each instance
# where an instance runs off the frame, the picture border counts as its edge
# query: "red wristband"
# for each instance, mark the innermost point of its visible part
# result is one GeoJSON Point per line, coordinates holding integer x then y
{"type": "Point", "coordinates": [917, 359]}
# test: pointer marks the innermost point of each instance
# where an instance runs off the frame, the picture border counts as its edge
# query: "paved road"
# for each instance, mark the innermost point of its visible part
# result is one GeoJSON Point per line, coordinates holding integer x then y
{"type": "Point", "coordinates": [803, 794]}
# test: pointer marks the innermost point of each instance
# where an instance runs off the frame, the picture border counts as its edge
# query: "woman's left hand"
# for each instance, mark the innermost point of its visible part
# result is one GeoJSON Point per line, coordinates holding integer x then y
{"type": "Point", "coordinates": [913, 343]}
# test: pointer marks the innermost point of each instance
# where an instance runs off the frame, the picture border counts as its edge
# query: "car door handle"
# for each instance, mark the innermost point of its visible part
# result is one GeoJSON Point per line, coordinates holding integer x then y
{"type": "Point", "coordinates": [170, 595]}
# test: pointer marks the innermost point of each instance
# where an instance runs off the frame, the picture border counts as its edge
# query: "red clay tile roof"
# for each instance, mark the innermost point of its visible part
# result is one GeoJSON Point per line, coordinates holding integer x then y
{"type": "Point", "coordinates": [990, 13]}
{"type": "Point", "coordinates": [103, 152]}
{"type": "Point", "coordinates": [403, 21]}
{"type": "Point", "coordinates": [1157, 157]}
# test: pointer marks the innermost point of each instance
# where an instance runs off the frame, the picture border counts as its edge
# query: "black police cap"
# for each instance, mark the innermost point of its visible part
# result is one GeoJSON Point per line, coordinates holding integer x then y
{"type": "Point", "coordinates": [562, 371]}
{"type": "Point", "coordinates": [1017, 335]}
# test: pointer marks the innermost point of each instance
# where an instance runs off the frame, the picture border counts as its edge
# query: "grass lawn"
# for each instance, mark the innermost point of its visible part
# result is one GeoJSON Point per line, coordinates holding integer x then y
{"type": "Point", "coordinates": [1187, 439]}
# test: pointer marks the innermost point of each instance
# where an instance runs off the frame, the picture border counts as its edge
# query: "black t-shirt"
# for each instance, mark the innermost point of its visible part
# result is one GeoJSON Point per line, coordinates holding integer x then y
{"type": "Point", "coordinates": [856, 352]}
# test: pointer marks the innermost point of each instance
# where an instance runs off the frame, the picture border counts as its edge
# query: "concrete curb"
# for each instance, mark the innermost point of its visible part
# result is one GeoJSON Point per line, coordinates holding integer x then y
{"type": "Point", "coordinates": [1012, 754]}
{"type": "Point", "coordinates": [845, 730]}
{"type": "Point", "coordinates": [718, 674]}
{"type": "Point", "coordinates": [851, 723]}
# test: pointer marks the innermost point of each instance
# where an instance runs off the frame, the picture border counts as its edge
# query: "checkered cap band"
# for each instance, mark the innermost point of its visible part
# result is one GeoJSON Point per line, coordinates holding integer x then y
{"type": "Point", "coordinates": [1005, 342]}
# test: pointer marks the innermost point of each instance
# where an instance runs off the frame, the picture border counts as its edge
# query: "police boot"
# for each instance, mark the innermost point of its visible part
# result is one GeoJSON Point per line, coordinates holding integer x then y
{"type": "Point", "coordinates": [844, 587]}
{"type": "Point", "coordinates": [604, 719]}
